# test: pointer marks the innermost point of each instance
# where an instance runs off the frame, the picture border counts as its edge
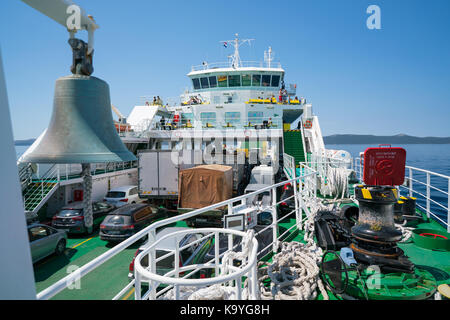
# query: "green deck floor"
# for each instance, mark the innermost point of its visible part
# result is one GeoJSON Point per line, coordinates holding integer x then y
{"type": "Point", "coordinates": [107, 280]}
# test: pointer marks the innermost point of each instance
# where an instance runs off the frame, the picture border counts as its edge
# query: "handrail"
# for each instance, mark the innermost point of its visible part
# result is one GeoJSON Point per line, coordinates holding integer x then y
{"type": "Point", "coordinates": [141, 272]}
{"type": "Point", "coordinates": [150, 231]}
{"type": "Point", "coordinates": [243, 64]}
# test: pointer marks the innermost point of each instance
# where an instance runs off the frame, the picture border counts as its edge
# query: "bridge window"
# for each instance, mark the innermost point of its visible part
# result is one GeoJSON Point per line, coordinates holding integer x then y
{"type": "Point", "coordinates": [187, 116]}
{"type": "Point", "coordinates": [246, 80]}
{"type": "Point", "coordinates": [204, 82]}
{"type": "Point", "coordinates": [233, 118]}
{"type": "Point", "coordinates": [275, 81]}
{"type": "Point", "coordinates": [213, 81]}
{"type": "Point", "coordinates": [234, 80]}
{"type": "Point", "coordinates": [208, 117]}
{"type": "Point", "coordinates": [266, 80]}
{"type": "Point", "coordinates": [196, 83]}
{"type": "Point", "coordinates": [255, 117]}
{"type": "Point", "coordinates": [256, 80]}
{"type": "Point", "coordinates": [222, 81]}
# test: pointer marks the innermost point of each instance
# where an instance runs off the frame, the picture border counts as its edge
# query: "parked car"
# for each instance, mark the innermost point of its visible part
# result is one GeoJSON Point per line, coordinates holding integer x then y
{"type": "Point", "coordinates": [120, 196]}
{"type": "Point", "coordinates": [128, 220]}
{"type": "Point", "coordinates": [45, 240]}
{"type": "Point", "coordinates": [192, 255]}
{"type": "Point", "coordinates": [71, 217]}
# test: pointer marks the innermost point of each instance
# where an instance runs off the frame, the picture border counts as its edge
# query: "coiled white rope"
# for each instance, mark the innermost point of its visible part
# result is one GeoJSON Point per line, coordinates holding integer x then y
{"type": "Point", "coordinates": [406, 231]}
{"type": "Point", "coordinates": [294, 272]}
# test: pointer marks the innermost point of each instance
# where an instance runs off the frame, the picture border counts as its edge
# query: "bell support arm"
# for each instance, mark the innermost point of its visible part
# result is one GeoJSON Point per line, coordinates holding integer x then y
{"type": "Point", "coordinates": [65, 12]}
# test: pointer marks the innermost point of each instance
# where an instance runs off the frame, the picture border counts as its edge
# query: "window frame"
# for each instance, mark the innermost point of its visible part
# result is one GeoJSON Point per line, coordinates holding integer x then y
{"type": "Point", "coordinates": [223, 82]}
{"type": "Point", "coordinates": [242, 80]}
{"type": "Point", "coordinates": [215, 79]}
{"type": "Point", "coordinates": [193, 83]}
{"type": "Point", "coordinates": [230, 81]}
{"type": "Point", "coordinates": [253, 78]}
{"type": "Point", "coordinates": [268, 83]}
{"type": "Point", "coordinates": [207, 83]}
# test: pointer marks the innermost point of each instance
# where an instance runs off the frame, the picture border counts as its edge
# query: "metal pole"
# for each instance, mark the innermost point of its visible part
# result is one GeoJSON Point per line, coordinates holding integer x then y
{"type": "Point", "coordinates": [216, 253]}
{"type": "Point", "coordinates": [274, 221]}
{"type": "Point", "coordinates": [448, 206]}
{"type": "Point", "coordinates": [152, 263]}
{"type": "Point", "coordinates": [428, 194]}
{"type": "Point", "coordinates": [300, 200]}
{"type": "Point", "coordinates": [177, 267]}
{"type": "Point", "coordinates": [410, 182]}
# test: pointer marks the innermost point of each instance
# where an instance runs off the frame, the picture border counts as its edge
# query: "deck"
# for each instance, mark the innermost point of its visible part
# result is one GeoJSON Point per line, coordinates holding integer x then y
{"type": "Point", "coordinates": [107, 280]}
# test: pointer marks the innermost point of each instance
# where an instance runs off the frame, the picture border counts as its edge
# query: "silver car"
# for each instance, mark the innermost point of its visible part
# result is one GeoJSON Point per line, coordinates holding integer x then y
{"type": "Point", "coordinates": [45, 240]}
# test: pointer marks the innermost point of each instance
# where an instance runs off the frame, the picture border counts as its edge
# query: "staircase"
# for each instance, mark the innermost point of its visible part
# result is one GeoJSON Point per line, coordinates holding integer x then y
{"type": "Point", "coordinates": [38, 191]}
{"type": "Point", "coordinates": [293, 145]}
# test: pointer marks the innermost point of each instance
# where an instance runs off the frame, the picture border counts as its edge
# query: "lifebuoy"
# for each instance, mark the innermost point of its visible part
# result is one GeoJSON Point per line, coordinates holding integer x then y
{"type": "Point", "coordinates": [307, 124]}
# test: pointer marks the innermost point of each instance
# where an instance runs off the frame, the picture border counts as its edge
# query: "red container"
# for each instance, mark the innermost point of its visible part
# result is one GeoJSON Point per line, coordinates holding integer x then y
{"type": "Point", "coordinates": [384, 166]}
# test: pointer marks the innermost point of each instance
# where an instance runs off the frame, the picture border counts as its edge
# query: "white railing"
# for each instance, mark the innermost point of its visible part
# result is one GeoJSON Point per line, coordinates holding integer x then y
{"type": "Point", "coordinates": [224, 271]}
{"type": "Point", "coordinates": [37, 191]}
{"type": "Point", "coordinates": [423, 185]}
{"type": "Point", "coordinates": [243, 64]}
{"type": "Point", "coordinates": [304, 187]}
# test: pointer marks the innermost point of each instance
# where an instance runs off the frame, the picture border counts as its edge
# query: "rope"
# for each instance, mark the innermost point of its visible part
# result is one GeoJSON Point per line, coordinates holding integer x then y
{"type": "Point", "coordinates": [406, 231]}
{"type": "Point", "coordinates": [294, 271]}
{"type": "Point", "coordinates": [336, 181]}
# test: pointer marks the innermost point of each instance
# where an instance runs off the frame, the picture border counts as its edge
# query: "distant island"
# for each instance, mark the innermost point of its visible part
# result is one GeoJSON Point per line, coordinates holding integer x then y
{"type": "Point", "coordinates": [347, 139]}
{"type": "Point", "coordinates": [26, 142]}
{"type": "Point", "coordinates": [371, 139]}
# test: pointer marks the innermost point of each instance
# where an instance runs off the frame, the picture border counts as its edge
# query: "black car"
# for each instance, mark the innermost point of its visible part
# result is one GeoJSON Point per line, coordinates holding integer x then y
{"type": "Point", "coordinates": [125, 221]}
{"type": "Point", "coordinates": [71, 217]}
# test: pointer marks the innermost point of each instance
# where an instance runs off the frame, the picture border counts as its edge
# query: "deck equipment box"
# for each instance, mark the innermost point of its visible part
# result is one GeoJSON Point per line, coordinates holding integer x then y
{"type": "Point", "coordinates": [384, 166]}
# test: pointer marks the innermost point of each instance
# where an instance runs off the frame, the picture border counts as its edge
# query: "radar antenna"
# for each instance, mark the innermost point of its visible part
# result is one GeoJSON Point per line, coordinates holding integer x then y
{"type": "Point", "coordinates": [235, 58]}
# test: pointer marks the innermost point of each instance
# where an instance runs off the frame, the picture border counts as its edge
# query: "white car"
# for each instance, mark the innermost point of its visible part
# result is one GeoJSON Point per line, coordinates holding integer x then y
{"type": "Point", "coordinates": [121, 196]}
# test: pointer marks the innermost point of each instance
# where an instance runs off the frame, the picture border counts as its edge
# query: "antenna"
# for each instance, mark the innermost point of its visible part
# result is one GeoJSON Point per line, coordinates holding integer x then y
{"type": "Point", "coordinates": [268, 57]}
{"type": "Point", "coordinates": [235, 58]}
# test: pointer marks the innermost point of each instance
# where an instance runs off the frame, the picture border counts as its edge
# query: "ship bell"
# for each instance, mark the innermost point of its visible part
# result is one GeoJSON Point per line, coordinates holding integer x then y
{"type": "Point", "coordinates": [81, 128]}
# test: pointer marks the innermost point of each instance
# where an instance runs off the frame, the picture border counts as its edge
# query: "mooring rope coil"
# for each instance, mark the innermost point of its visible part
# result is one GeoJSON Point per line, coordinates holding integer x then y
{"type": "Point", "coordinates": [294, 271]}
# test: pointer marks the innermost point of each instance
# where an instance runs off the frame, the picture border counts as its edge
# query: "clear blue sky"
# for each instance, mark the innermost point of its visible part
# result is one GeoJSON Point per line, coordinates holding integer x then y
{"type": "Point", "coordinates": [361, 81]}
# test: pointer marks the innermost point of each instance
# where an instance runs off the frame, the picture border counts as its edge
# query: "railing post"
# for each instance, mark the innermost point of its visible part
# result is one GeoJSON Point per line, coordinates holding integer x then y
{"type": "Point", "coordinates": [448, 207]}
{"type": "Point", "coordinates": [216, 253]}
{"type": "Point", "coordinates": [314, 185]}
{"type": "Point", "coordinates": [297, 213]}
{"type": "Point", "coordinates": [410, 182]}
{"type": "Point", "coordinates": [137, 285]}
{"type": "Point", "coordinates": [177, 268]}
{"type": "Point", "coordinates": [428, 194]}
{"type": "Point", "coordinates": [152, 263]}
{"type": "Point", "coordinates": [300, 203]}
{"type": "Point", "coordinates": [254, 285]}
{"type": "Point", "coordinates": [274, 221]}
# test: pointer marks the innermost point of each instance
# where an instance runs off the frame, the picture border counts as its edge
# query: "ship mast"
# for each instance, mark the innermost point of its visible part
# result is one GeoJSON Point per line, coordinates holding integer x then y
{"type": "Point", "coordinates": [268, 57]}
{"type": "Point", "coordinates": [235, 58]}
